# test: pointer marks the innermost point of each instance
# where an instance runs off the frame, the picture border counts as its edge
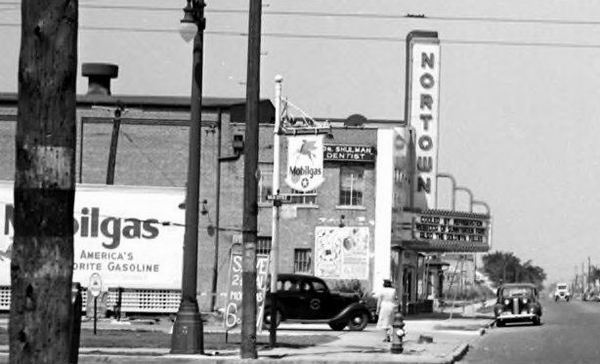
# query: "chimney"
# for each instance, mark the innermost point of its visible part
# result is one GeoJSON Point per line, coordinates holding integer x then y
{"type": "Point", "coordinates": [99, 75]}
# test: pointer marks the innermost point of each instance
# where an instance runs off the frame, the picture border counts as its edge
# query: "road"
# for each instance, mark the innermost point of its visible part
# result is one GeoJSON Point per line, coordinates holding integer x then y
{"type": "Point", "coordinates": [570, 333]}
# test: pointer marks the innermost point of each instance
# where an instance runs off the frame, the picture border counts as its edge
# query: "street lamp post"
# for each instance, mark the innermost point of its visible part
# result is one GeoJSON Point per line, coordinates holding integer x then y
{"type": "Point", "coordinates": [187, 337]}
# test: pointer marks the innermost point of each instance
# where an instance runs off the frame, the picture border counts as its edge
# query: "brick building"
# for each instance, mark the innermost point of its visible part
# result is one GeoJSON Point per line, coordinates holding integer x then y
{"type": "Point", "coordinates": [350, 231]}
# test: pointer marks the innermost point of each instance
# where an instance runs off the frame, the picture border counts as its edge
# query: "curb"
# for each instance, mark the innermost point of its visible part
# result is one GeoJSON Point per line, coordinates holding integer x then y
{"type": "Point", "coordinates": [458, 353]}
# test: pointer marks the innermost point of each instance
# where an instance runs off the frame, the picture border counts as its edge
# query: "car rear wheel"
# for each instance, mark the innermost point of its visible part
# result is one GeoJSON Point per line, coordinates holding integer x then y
{"type": "Point", "coordinates": [267, 318]}
{"type": "Point", "coordinates": [536, 321]}
{"type": "Point", "coordinates": [337, 326]}
{"type": "Point", "coordinates": [499, 323]}
{"type": "Point", "coordinates": [358, 321]}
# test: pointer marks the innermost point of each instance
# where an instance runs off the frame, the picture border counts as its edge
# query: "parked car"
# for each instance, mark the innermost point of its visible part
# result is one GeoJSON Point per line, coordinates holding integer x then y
{"type": "Point", "coordinates": [517, 302]}
{"type": "Point", "coordinates": [307, 299]}
{"type": "Point", "coordinates": [562, 292]}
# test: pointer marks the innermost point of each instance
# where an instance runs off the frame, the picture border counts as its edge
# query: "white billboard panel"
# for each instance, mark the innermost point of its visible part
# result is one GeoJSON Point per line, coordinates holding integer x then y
{"type": "Point", "coordinates": [131, 236]}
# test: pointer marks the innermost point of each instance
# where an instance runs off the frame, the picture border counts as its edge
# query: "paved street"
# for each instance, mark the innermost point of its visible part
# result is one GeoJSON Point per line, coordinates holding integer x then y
{"type": "Point", "coordinates": [450, 339]}
{"type": "Point", "coordinates": [568, 334]}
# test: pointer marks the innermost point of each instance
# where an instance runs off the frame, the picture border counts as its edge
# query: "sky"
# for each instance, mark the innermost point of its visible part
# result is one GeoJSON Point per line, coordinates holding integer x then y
{"type": "Point", "coordinates": [519, 90]}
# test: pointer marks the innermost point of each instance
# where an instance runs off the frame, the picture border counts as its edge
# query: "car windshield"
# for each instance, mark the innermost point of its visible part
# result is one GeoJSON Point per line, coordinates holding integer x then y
{"type": "Point", "coordinates": [517, 291]}
{"type": "Point", "coordinates": [562, 286]}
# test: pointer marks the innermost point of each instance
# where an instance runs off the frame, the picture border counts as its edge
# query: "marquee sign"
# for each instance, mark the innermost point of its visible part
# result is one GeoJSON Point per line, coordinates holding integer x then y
{"type": "Point", "coordinates": [447, 231]}
{"type": "Point", "coordinates": [349, 153]}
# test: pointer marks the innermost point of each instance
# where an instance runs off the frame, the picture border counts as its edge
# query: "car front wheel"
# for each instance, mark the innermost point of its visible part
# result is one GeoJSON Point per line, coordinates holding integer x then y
{"type": "Point", "coordinates": [267, 318]}
{"type": "Point", "coordinates": [358, 321]}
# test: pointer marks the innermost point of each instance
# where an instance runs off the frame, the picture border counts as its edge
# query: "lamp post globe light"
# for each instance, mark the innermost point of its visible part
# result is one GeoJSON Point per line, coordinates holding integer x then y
{"type": "Point", "coordinates": [187, 337]}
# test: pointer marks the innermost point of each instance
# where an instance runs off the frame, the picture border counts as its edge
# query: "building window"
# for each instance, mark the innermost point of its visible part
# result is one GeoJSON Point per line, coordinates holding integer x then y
{"type": "Point", "coordinates": [263, 245]}
{"type": "Point", "coordinates": [302, 261]}
{"type": "Point", "coordinates": [304, 198]}
{"type": "Point", "coordinates": [351, 186]}
{"type": "Point", "coordinates": [265, 182]}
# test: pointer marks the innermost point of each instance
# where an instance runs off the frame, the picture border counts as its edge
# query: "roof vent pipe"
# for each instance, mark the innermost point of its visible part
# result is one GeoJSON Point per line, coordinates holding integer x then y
{"type": "Point", "coordinates": [99, 75]}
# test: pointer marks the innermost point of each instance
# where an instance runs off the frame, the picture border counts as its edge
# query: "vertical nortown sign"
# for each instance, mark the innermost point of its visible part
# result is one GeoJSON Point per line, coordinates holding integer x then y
{"type": "Point", "coordinates": [422, 111]}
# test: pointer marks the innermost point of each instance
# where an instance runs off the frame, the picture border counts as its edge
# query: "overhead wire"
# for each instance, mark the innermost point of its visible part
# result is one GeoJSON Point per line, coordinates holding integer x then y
{"type": "Point", "coordinates": [345, 37]}
{"type": "Point", "coordinates": [373, 15]}
{"type": "Point", "coordinates": [340, 36]}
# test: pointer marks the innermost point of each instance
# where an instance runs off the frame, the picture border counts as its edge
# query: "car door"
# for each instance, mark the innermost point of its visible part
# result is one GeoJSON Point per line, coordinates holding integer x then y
{"type": "Point", "coordinates": [289, 297]}
{"type": "Point", "coordinates": [318, 305]}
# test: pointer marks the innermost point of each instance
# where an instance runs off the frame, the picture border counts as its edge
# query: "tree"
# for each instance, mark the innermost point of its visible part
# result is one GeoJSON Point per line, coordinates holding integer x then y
{"type": "Point", "coordinates": [42, 257]}
{"type": "Point", "coordinates": [504, 267]}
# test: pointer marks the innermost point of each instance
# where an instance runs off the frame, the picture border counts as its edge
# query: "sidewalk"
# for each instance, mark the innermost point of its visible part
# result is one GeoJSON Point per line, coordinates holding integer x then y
{"type": "Point", "coordinates": [430, 338]}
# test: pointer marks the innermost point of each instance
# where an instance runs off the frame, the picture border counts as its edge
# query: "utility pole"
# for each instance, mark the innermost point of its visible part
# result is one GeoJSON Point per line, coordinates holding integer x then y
{"type": "Point", "coordinates": [41, 313]}
{"type": "Point", "coordinates": [275, 214]}
{"type": "Point", "coordinates": [114, 141]}
{"type": "Point", "coordinates": [590, 270]}
{"type": "Point", "coordinates": [250, 215]}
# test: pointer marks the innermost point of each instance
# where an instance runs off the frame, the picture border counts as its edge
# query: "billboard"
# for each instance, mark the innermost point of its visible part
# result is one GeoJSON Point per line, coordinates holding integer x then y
{"type": "Point", "coordinates": [422, 113]}
{"type": "Point", "coordinates": [131, 236]}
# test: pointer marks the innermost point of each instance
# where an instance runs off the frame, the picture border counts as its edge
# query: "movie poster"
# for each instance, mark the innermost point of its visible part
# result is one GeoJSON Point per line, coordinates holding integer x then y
{"type": "Point", "coordinates": [342, 252]}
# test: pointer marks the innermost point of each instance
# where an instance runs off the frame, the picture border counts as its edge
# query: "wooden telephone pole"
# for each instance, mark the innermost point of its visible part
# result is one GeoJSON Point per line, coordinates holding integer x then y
{"type": "Point", "coordinates": [41, 312]}
{"type": "Point", "coordinates": [250, 215]}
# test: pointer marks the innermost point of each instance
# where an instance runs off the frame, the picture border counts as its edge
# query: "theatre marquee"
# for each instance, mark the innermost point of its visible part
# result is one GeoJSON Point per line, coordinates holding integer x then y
{"type": "Point", "coordinates": [445, 231]}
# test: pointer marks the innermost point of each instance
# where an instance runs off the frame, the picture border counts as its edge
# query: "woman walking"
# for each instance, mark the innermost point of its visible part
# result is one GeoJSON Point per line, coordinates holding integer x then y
{"type": "Point", "coordinates": [386, 306]}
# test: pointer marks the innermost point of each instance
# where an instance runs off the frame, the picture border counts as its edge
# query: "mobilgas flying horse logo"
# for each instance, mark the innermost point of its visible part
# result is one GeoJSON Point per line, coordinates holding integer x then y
{"type": "Point", "coordinates": [305, 162]}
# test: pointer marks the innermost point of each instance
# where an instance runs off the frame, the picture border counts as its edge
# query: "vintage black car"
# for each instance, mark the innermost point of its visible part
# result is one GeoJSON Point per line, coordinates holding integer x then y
{"type": "Point", "coordinates": [307, 299]}
{"type": "Point", "coordinates": [517, 302]}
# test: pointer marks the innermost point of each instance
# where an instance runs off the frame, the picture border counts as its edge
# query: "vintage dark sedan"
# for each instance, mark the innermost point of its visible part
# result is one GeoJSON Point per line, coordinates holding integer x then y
{"type": "Point", "coordinates": [307, 299]}
{"type": "Point", "coordinates": [517, 302]}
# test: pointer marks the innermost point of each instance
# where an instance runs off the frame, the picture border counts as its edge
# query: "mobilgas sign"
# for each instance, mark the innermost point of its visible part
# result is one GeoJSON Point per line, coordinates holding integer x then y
{"type": "Point", "coordinates": [131, 236]}
{"type": "Point", "coordinates": [305, 162]}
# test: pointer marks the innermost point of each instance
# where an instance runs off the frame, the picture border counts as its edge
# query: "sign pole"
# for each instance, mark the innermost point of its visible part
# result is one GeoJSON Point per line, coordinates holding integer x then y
{"type": "Point", "coordinates": [95, 288]}
{"type": "Point", "coordinates": [95, 312]}
{"type": "Point", "coordinates": [275, 215]}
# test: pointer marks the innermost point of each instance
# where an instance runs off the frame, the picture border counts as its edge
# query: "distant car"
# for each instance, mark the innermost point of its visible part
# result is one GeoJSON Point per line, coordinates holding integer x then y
{"type": "Point", "coordinates": [517, 302]}
{"type": "Point", "coordinates": [307, 299]}
{"type": "Point", "coordinates": [562, 292]}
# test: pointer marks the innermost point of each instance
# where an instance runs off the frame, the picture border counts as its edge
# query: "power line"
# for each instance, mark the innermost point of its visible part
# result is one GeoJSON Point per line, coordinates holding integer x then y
{"type": "Point", "coordinates": [338, 37]}
{"type": "Point", "coordinates": [484, 19]}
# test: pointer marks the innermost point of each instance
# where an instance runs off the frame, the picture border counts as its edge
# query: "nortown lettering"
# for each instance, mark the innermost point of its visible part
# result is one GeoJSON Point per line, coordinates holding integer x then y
{"type": "Point", "coordinates": [427, 101]}
{"type": "Point", "coordinates": [305, 171]}
{"type": "Point", "coordinates": [91, 223]}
